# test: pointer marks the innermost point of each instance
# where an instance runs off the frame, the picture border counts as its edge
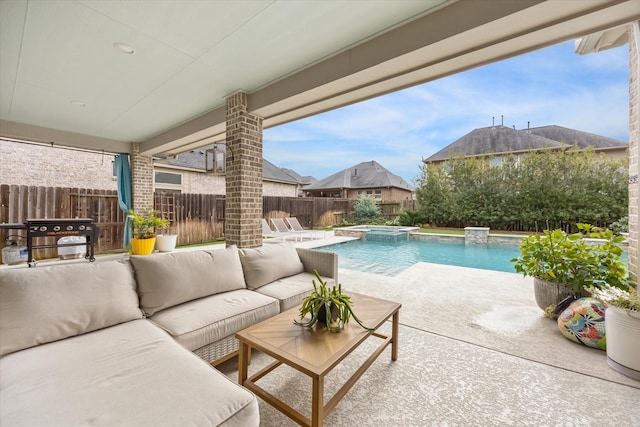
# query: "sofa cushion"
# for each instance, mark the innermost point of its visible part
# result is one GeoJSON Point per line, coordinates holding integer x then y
{"type": "Point", "coordinates": [165, 280]}
{"type": "Point", "coordinates": [290, 291]}
{"type": "Point", "coordinates": [201, 322]}
{"type": "Point", "coordinates": [132, 374]}
{"type": "Point", "coordinates": [268, 263]}
{"type": "Point", "coordinates": [50, 303]}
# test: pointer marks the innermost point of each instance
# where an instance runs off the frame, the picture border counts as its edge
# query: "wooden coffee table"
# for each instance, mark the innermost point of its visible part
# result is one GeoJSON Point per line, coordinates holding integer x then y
{"type": "Point", "coordinates": [315, 352]}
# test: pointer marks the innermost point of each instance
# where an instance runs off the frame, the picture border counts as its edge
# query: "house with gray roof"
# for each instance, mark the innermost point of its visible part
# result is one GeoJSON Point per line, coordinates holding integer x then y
{"type": "Point", "coordinates": [187, 173]}
{"type": "Point", "coordinates": [366, 178]}
{"type": "Point", "coordinates": [498, 141]}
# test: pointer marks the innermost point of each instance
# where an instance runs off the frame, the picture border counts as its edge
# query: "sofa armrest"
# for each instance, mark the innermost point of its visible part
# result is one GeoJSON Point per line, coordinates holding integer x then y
{"type": "Point", "coordinates": [325, 262]}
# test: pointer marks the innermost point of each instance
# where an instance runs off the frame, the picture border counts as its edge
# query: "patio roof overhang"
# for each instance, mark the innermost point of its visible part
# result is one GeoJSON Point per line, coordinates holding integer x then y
{"type": "Point", "coordinates": [62, 81]}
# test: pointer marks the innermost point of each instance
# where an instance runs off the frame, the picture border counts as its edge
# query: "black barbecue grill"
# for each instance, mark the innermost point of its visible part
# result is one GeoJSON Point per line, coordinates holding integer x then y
{"type": "Point", "coordinates": [58, 227]}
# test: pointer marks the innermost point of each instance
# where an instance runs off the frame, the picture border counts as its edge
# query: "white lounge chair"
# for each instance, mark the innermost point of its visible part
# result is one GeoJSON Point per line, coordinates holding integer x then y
{"type": "Point", "coordinates": [267, 232]}
{"type": "Point", "coordinates": [295, 225]}
{"type": "Point", "coordinates": [281, 227]}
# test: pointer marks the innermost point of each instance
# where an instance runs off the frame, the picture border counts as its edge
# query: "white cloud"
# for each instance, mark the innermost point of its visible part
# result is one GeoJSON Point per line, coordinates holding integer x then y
{"type": "Point", "coordinates": [550, 86]}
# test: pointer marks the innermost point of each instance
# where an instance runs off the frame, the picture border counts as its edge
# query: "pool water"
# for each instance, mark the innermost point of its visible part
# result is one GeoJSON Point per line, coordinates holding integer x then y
{"type": "Point", "coordinates": [391, 258]}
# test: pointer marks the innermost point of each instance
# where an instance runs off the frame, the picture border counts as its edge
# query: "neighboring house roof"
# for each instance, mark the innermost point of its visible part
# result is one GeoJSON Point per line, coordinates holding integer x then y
{"type": "Point", "coordinates": [272, 172]}
{"type": "Point", "coordinates": [363, 175]}
{"type": "Point", "coordinates": [494, 140]}
{"type": "Point", "coordinates": [575, 137]}
{"type": "Point", "coordinates": [195, 160]}
{"type": "Point", "coordinates": [501, 139]}
{"type": "Point", "coordinates": [302, 179]}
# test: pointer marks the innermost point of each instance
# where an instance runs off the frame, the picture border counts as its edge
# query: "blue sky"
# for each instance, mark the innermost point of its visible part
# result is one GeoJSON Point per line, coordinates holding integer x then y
{"type": "Point", "coordinates": [549, 86]}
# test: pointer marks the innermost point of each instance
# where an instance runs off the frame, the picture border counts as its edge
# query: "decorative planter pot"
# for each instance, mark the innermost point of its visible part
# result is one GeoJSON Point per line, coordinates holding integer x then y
{"type": "Point", "coordinates": [322, 315]}
{"type": "Point", "coordinates": [166, 242]}
{"type": "Point", "coordinates": [143, 246]}
{"type": "Point", "coordinates": [623, 341]}
{"type": "Point", "coordinates": [550, 293]}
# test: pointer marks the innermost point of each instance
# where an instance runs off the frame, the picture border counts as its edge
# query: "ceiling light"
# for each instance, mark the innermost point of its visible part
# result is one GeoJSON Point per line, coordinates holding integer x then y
{"type": "Point", "coordinates": [79, 103]}
{"type": "Point", "coordinates": [124, 48]}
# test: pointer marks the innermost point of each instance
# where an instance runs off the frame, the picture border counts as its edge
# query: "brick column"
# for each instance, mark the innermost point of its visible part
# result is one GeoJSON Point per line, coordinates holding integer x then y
{"type": "Point", "coordinates": [243, 206]}
{"type": "Point", "coordinates": [634, 134]}
{"type": "Point", "coordinates": [141, 180]}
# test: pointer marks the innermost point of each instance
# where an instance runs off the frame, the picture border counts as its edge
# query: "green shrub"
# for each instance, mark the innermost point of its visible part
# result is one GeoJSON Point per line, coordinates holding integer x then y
{"type": "Point", "coordinates": [621, 225]}
{"type": "Point", "coordinates": [573, 260]}
{"type": "Point", "coordinates": [366, 210]}
{"type": "Point", "coordinates": [410, 218]}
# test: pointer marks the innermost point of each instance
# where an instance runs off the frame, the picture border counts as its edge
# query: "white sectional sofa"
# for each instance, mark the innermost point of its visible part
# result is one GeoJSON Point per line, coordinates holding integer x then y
{"type": "Point", "coordinates": [126, 342]}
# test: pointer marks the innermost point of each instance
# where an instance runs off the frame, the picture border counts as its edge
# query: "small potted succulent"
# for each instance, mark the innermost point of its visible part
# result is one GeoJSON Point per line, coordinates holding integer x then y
{"type": "Point", "coordinates": [565, 265]}
{"type": "Point", "coordinates": [143, 230]}
{"type": "Point", "coordinates": [328, 306]}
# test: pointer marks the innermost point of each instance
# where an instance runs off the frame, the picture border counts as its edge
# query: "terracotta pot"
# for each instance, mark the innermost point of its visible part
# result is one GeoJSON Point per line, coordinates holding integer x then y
{"type": "Point", "coordinates": [623, 341]}
{"type": "Point", "coordinates": [143, 246]}
{"type": "Point", "coordinates": [551, 293]}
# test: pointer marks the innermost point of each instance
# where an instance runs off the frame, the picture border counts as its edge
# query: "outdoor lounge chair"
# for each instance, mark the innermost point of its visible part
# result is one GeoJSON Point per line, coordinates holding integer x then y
{"type": "Point", "coordinates": [281, 227]}
{"type": "Point", "coordinates": [267, 232]}
{"type": "Point", "coordinates": [295, 225]}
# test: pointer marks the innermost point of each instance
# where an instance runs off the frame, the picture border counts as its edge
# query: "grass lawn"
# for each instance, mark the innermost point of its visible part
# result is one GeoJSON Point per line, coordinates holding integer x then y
{"type": "Point", "coordinates": [442, 231]}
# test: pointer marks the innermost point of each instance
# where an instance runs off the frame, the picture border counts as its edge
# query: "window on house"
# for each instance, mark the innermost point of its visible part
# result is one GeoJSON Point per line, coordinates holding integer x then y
{"type": "Point", "coordinates": [495, 161]}
{"type": "Point", "coordinates": [168, 181]}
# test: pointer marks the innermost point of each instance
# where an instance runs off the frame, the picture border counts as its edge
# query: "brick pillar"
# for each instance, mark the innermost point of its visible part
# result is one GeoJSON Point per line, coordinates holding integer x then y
{"type": "Point", "coordinates": [634, 134]}
{"type": "Point", "coordinates": [141, 180]}
{"type": "Point", "coordinates": [243, 206]}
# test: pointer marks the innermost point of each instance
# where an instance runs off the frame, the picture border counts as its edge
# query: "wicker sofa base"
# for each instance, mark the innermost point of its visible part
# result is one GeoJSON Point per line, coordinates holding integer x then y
{"type": "Point", "coordinates": [219, 351]}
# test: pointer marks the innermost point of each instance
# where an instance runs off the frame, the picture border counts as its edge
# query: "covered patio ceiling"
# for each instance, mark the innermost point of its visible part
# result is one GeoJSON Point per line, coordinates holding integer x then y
{"type": "Point", "coordinates": [65, 80]}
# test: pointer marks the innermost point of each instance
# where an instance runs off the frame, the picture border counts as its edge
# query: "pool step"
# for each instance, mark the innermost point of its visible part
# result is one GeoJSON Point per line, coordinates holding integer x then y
{"type": "Point", "coordinates": [371, 267]}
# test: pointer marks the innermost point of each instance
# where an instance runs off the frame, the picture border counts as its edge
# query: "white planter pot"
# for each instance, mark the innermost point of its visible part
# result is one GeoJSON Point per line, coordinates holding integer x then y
{"type": "Point", "coordinates": [166, 242]}
{"type": "Point", "coordinates": [623, 342]}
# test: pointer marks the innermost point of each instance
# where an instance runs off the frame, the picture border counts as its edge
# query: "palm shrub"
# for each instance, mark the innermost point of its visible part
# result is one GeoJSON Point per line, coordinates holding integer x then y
{"type": "Point", "coordinates": [143, 225]}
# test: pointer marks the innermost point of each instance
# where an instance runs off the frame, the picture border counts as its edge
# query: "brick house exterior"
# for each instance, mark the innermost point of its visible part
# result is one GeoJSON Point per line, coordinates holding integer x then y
{"type": "Point", "coordinates": [41, 165]}
{"type": "Point", "coordinates": [366, 178]}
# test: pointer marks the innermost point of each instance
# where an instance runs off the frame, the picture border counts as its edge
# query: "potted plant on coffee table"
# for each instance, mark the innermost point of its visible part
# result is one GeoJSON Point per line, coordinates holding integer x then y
{"type": "Point", "coordinates": [622, 329]}
{"type": "Point", "coordinates": [143, 230]}
{"type": "Point", "coordinates": [564, 265]}
{"type": "Point", "coordinates": [328, 306]}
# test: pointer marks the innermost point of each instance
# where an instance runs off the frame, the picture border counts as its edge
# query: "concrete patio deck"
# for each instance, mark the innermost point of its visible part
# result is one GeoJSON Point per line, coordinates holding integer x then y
{"type": "Point", "coordinates": [474, 350]}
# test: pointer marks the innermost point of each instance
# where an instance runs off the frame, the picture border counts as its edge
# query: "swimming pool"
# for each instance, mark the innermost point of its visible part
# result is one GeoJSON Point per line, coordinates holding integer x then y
{"type": "Point", "coordinates": [391, 258]}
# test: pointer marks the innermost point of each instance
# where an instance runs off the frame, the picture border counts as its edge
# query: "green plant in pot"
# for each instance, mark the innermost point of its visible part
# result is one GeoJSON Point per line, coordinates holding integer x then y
{"type": "Point", "coordinates": [327, 305]}
{"type": "Point", "coordinates": [565, 265]}
{"type": "Point", "coordinates": [143, 230]}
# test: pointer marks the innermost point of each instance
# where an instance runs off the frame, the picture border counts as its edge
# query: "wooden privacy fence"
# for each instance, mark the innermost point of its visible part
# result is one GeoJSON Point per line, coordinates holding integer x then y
{"type": "Point", "coordinates": [196, 218]}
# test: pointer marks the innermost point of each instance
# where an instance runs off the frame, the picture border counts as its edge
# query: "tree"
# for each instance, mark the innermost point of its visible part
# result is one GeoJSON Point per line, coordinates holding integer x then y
{"type": "Point", "coordinates": [366, 210]}
{"type": "Point", "coordinates": [542, 190]}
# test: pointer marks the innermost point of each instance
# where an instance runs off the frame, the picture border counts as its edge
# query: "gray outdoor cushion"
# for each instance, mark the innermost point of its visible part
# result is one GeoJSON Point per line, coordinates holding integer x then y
{"type": "Point", "coordinates": [133, 374]}
{"type": "Point", "coordinates": [201, 322]}
{"type": "Point", "coordinates": [50, 303]}
{"type": "Point", "coordinates": [268, 263]}
{"type": "Point", "coordinates": [165, 280]}
{"type": "Point", "coordinates": [290, 291]}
